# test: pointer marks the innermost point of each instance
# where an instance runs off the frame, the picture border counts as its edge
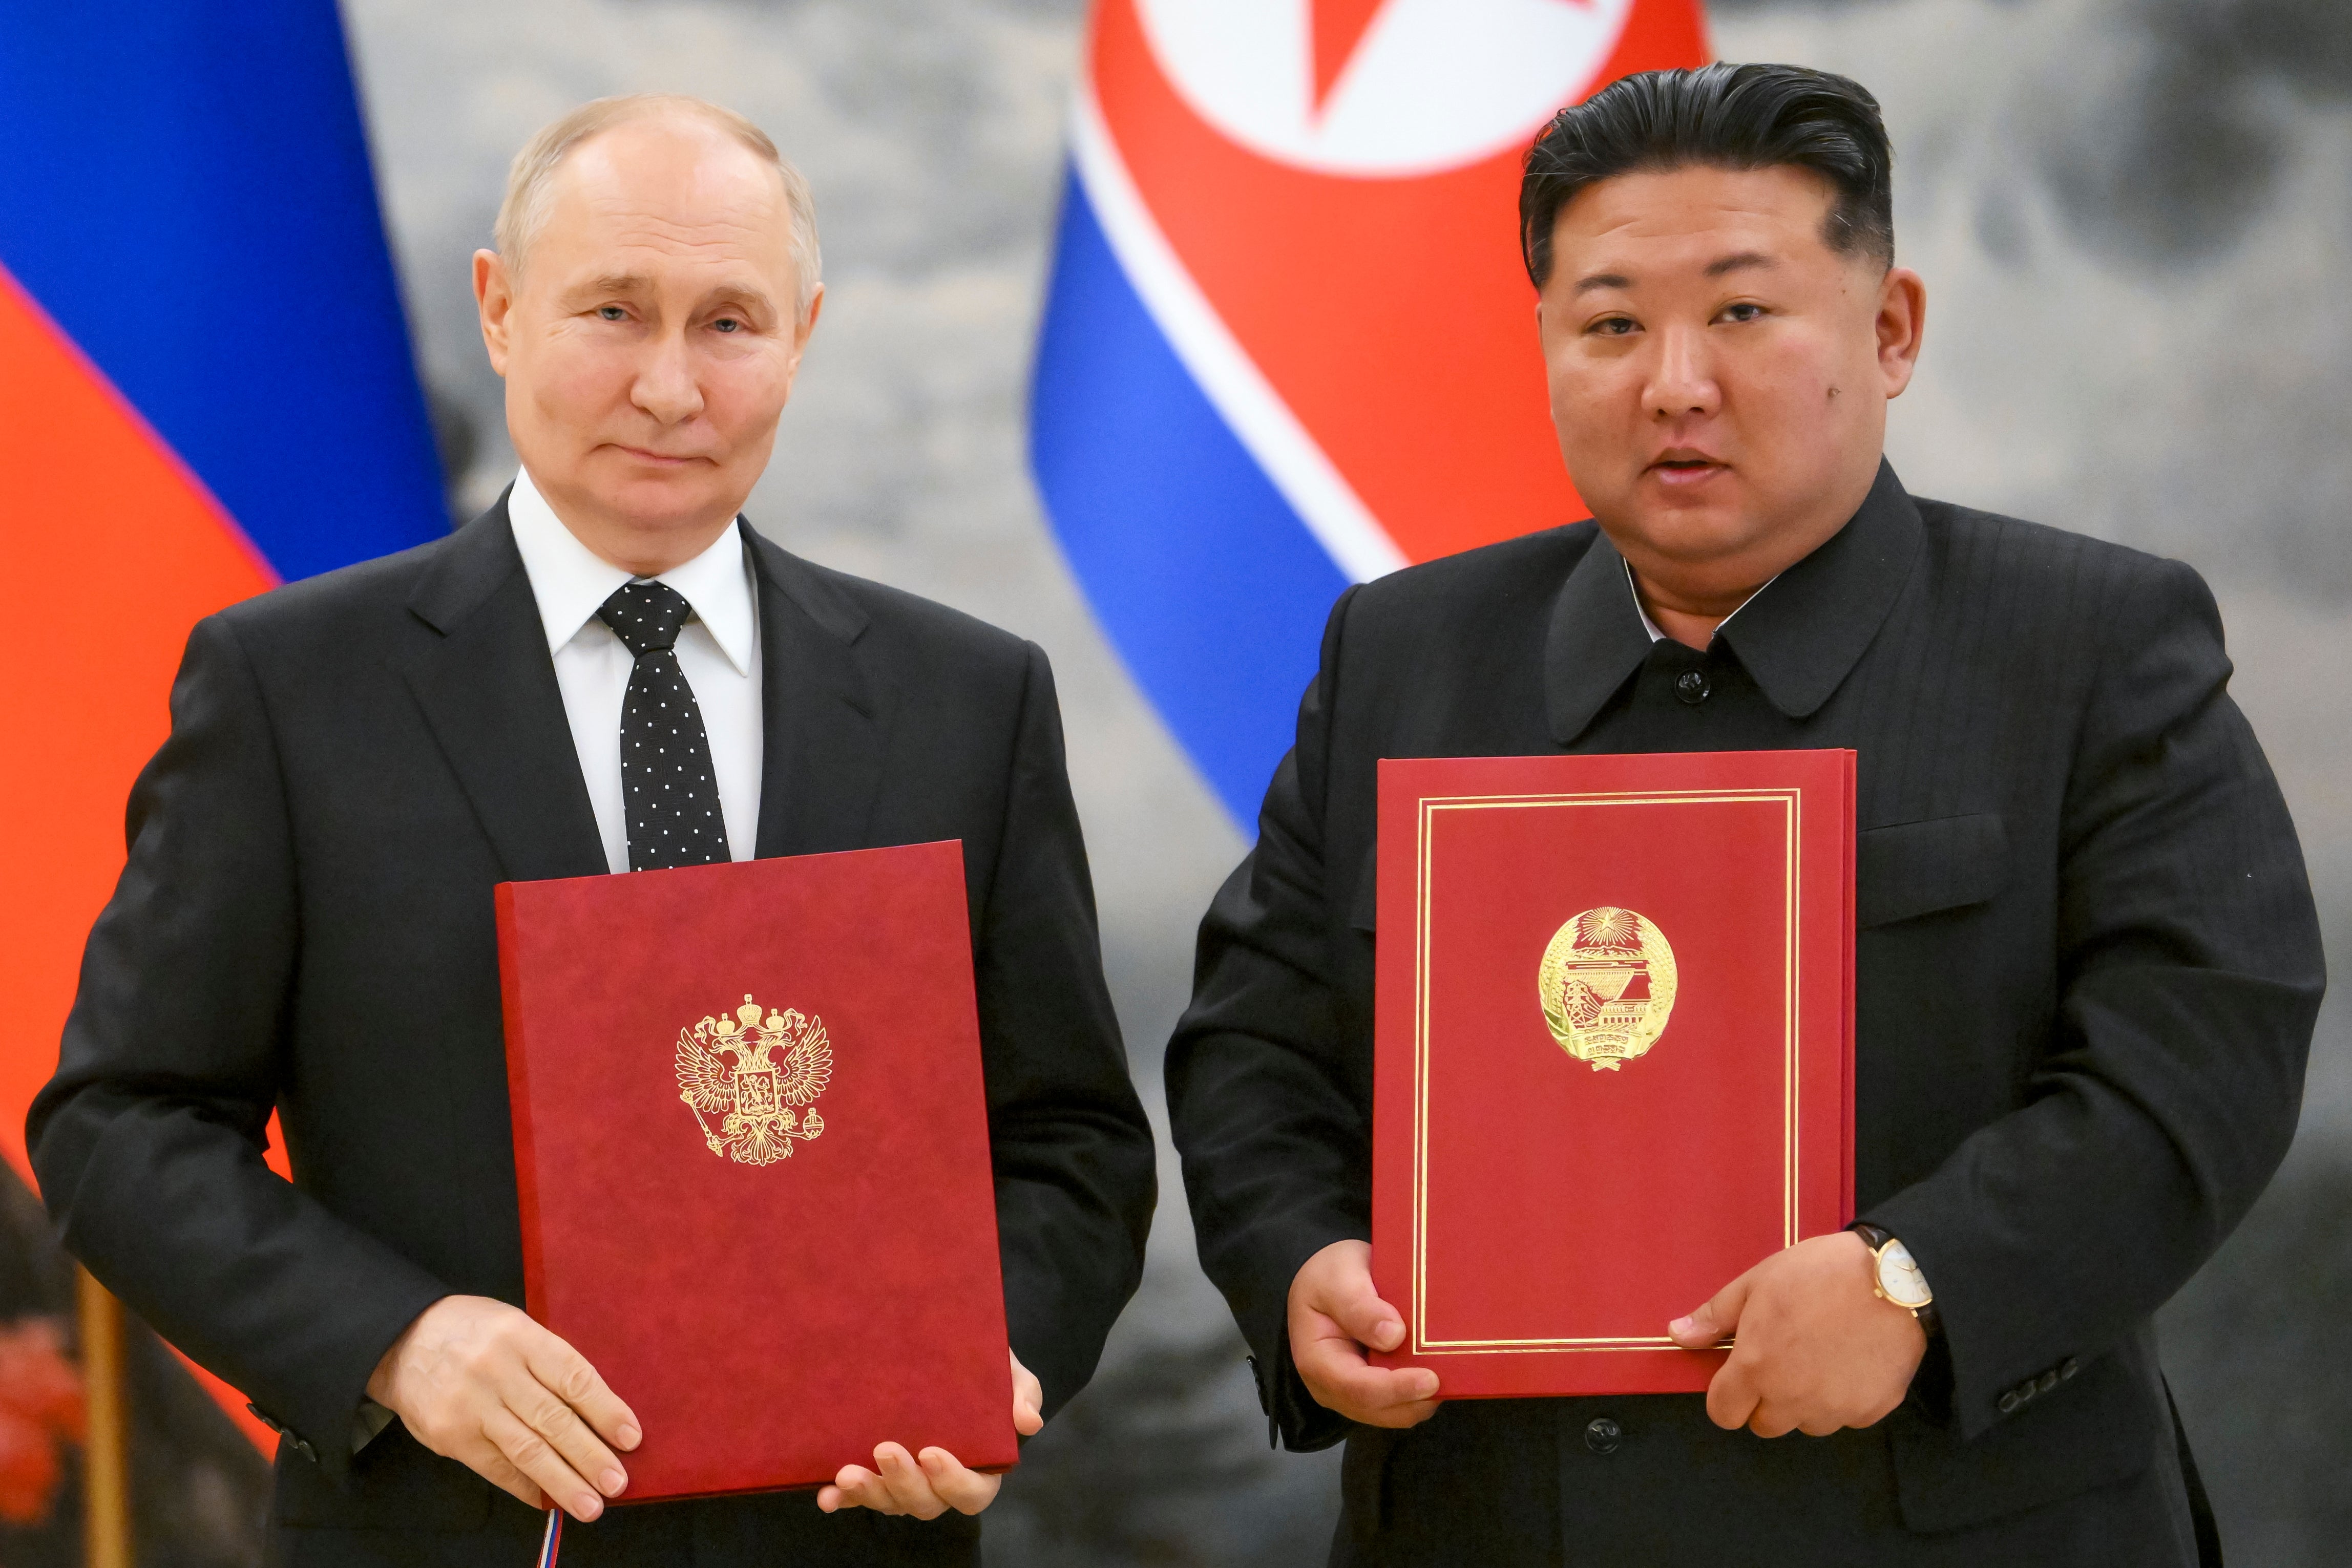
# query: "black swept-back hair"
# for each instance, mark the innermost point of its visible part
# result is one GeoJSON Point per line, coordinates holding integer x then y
{"type": "Point", "coordinates": [1723, 117]}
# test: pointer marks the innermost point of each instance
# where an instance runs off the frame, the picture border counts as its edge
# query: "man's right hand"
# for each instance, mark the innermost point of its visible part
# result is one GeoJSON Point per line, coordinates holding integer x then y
{"type": "Point", "coordinates": [1334, 1315]}
{"type": "Point", "coordinates": [478, 1382]}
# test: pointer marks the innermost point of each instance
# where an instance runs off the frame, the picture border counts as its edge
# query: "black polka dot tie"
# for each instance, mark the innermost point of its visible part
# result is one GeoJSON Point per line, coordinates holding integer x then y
{"type": "Point", "coordinates": [667, 784]}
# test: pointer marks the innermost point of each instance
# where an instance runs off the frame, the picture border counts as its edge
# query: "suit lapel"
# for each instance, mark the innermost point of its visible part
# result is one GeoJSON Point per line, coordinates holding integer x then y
{"type": "Point", "coordinates": [823, 717]}
{"type": "Point", "coordinates": [486, 686]}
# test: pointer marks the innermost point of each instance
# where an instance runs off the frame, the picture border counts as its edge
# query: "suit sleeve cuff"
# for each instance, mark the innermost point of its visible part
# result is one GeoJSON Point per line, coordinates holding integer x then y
{"type": "Point", "coordinates": [1293, 1419]}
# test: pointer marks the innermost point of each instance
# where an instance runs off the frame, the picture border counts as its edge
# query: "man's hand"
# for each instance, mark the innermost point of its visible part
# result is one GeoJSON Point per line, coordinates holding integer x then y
{"type": "Point", "coordinates": [1334, 1315]}
{"type": "Point", "coordinates": [477, 1382]}
{"type": "Point", "coordinates": [1816, 1348]}
{"type": "Point", "coordinates": [928, 1484]}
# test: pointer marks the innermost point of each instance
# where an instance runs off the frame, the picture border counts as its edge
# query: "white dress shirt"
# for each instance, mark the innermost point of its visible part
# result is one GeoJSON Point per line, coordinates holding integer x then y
{"type": "Point", "coordinates": [717, 649]}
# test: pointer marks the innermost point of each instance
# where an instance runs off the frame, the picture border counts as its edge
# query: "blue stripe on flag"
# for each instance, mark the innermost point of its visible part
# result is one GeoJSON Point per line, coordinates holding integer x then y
{"type": "Point", "coordinates": [186, 192]}
{"type": "Point", "coordinates": [1206, 580]}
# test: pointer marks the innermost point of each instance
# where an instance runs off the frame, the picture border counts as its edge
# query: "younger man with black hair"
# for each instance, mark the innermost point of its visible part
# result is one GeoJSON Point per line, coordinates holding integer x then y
{"type": "Point", "coordinates": [2088, 961]}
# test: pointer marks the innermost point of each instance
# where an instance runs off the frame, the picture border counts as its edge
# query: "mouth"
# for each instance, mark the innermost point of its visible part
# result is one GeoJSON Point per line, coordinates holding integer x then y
{"type": "Point", "coordinates": [657, 459]}
{"type": "Point", "coordinates": [1683, 466]}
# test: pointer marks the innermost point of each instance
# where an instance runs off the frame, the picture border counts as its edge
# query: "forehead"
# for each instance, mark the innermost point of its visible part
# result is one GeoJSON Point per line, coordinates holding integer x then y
{"type": "Point", "coordinates": [1692, 215]}
{"type": "Point", "coordinates": [671, 188]}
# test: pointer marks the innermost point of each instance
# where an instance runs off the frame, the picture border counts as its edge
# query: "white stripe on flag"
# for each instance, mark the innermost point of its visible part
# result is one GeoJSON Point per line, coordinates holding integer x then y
{"type": "Point", "coordinates": [1232, 382]}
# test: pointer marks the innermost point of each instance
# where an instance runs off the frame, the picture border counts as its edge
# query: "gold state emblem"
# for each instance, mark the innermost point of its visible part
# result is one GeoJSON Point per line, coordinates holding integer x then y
{"type": "Point", "coordinates": [1607, 982]}
{"type": "Point", "coordinates": [755, 1096]}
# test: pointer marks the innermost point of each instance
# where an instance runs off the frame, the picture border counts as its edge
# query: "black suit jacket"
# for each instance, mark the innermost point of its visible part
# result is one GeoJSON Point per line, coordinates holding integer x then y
{"type": "Point", "coordinates": [305, 924]}
{"type": "Point", "coordinates": [2088, 970]}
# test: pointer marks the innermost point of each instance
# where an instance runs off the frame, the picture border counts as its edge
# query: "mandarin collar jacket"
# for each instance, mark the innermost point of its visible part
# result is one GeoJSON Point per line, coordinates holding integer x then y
{"type": "Point", "coordinates": [2087, 971]}
{"type": "Point", "coordinates": [1799, 636]}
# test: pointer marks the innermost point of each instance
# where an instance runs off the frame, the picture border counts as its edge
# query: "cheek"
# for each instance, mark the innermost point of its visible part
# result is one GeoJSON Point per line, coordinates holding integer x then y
{"type": "Point", "coordinates": [576, 376]}
{"type": "Point", "coordinates": [1593, 397]}
{"type": "Point", "coordinates": [742, 394]}
{"type": "Point", "coordinates": [1795, 371]}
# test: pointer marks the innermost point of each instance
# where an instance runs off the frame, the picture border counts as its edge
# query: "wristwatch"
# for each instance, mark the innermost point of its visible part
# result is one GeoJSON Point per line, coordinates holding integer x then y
{"type": "Point", "coordinates": [1896, 1278]}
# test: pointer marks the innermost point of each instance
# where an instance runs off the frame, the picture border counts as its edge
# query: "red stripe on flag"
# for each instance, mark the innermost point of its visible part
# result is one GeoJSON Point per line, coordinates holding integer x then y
{"type": "Point", "coordinates": [1393, 316]}
{"type": "Point", "coordinates": [123, 551]}
{"type": "Point", "coordinates": [126, 553]}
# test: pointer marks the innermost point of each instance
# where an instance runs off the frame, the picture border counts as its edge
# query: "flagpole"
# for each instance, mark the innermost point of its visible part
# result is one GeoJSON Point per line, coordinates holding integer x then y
{"type": "Point", "coordinates": [105, 1468]}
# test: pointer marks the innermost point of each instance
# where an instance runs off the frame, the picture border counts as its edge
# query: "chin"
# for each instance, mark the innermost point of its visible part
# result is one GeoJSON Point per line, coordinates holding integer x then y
{"type": "Point", "coordinates": [1689, 529]}
{"type": "Point", "coordinates": [668, 500]}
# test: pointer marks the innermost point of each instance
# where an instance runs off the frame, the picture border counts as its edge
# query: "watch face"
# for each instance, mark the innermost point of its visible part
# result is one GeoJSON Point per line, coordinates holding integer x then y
{"type": "Point", "coordinates": [1899, 1276]}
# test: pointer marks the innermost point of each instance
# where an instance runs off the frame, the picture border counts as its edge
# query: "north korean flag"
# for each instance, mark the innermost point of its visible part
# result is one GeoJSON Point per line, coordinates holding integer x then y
{"type": "Point", "coordinates": [1289, 344]}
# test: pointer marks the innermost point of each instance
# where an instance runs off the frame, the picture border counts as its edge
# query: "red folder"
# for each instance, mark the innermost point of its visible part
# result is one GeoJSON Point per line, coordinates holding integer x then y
{"type": "Point", "coordinates": [1614, 1053]}
{"type": "Point", "coordinates": [751, 1144]}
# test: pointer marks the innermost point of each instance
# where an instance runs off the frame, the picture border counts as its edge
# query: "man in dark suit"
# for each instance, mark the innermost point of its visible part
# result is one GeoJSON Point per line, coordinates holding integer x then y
{"type": "Point", "coordinates": [608, 670]}
{"type": "Point", "coordinates": [2088, 963]}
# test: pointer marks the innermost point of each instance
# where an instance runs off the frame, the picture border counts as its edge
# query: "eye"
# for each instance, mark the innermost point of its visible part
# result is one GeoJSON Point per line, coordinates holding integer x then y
{"type": "Point", "coordinates": [727, 324]}
{"type": "Point", "coordinates": [1743, 310]}
{"type": "Point", "coordinates": [611, 313]}
{"type": "Point", "coordinates": [1613, 325]}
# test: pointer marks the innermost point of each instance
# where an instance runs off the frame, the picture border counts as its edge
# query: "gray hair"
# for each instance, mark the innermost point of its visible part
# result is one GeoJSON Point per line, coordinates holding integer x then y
{"type": "Point", "coordinates": [530, 180]}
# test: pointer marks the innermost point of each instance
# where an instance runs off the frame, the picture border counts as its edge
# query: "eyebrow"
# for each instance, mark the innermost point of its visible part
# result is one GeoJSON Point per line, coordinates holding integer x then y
{"type": "Point", "coordinates": [1603, 280]}
{"type": "Point", "coordinates": [740, 293]}
{"type": "Point", "coordinates": [613, 283]}
{"type": "Point", "coordinates": [733, 291]}
{"type": "Point", "coordinates": [1739, 261]}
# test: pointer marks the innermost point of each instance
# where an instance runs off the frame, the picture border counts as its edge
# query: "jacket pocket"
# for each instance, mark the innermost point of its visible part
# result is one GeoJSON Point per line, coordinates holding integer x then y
{"type": "Point", "coordinates": [1910, 869]}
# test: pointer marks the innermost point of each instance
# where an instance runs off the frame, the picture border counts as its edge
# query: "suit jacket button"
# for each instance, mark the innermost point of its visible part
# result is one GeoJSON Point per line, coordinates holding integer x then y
{"type": "Point", "coordinates": [1604, 1436]}
{"type": "Point", "coordinates": [1692, 686]}
{"type": "Point", "coordinates": [2067, 1368]}
{"type": "Point", "coordinates": [2010, 1401]}
{"type": "Point", "coordinates": [2048, 1381]}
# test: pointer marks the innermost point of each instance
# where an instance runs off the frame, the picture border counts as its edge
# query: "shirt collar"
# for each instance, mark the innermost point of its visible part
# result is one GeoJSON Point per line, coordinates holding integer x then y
{"type": "Point", "coordinates": [1652, 627]}
{"type": "Point", "coordinates": [1799, 635]}
{"type": "Point", "coordinates": [571, 581]}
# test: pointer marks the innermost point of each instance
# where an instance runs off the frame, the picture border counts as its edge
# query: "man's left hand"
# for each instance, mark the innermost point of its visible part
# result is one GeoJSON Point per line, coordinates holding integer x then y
{"type": "Point", "coordinates": [929, 1483]}
{"type": "Point", "coordinates": [1816, 1348]}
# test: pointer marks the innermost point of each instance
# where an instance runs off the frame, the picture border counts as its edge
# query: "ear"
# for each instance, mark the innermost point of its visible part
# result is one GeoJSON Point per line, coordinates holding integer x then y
{"type": "Point", "coordinates": [1901, 325]}
{"type": "Point", "coordinates": [801, 333]}
{"type": "Point", "coordinates": [494, 297]}
{"type": "Point", "coordinates": [816, 309]}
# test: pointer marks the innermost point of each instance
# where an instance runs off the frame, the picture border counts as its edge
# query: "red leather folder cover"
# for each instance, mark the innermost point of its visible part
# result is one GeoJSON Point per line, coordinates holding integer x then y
{"type": "Point", "coordinates": [751, 1144]}
{"type": "Point", "coordinates": [1613, 1029]}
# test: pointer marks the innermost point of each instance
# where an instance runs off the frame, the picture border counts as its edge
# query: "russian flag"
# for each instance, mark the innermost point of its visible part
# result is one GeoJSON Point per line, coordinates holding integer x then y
{"type": "Point", "coordinates": [1288, 343]}
{"type": "Point", "coordinates": [206, 390]}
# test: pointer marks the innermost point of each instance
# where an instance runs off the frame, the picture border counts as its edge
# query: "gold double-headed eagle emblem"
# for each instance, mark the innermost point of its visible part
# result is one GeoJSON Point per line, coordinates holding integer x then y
{"type": "Point", "coordinates": [1607, 983]}
{"type": "Point", "coordinates": [757, 1097]}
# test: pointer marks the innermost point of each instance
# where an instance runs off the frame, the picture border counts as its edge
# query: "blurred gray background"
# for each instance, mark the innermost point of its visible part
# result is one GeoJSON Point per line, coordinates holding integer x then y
{"type": "Point", "coordinates": [2133, 217]}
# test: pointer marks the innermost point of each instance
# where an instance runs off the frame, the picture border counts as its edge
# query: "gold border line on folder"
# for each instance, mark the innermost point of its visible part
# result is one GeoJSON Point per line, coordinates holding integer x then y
{"type": "Point", "coordinates": [1792, 807]}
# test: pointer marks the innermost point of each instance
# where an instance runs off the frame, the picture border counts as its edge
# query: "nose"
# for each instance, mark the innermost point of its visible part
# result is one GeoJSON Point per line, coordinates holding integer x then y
{"type": "Point", "coordinates": [1682, 379]}
{"type": "Point", "coordinates": [666, 387]}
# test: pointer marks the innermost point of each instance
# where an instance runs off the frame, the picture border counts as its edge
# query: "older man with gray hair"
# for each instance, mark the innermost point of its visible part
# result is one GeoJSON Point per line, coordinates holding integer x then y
{"type": "Point", "coordinates": [306, 925]}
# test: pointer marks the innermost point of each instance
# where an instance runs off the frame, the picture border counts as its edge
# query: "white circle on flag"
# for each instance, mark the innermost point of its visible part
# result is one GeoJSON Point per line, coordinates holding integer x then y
{"type": "Point", "coordinates": [1428, 85]}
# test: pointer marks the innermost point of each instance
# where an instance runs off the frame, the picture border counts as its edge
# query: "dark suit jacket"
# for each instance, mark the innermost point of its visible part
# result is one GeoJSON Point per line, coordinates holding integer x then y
{"type": "Point", "coordinates": [2088, 969]}
{"type": "Point", "coordinates": [305, 924]}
